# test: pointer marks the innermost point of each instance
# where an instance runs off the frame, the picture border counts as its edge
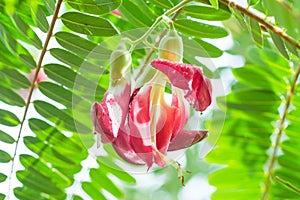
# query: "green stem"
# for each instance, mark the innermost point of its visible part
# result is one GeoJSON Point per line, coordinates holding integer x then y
{"type": "Point", "coordinates": [38, 67]}
{"type": "Point", "coordinates": [281, 127]}
{"type": "Point", "coordinates": [157, 21]}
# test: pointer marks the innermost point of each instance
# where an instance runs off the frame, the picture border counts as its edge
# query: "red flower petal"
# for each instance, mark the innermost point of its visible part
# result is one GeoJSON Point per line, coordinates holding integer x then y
{"type": "Point", "coordinates": [123, 148]}
{"type": "Point", "coordinates": [189, 78]}
{"type": "Point", "coordinates": [102, 122]}
{"type": "Point", "coordinates": [164, 130]}
{"type": "Point", "coordinates": [139, 124]}
{"type": "Point", "coordinates": [181, 111]}
{"type": "Point", "coordinates": [109, 115]}
{"type": "Point", "coordinates": [186, 138]}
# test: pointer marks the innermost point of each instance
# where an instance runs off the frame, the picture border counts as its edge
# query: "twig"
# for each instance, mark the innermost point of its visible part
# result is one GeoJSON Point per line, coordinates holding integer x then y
{"type": "Point", "coordinates": [273, 28]}
{"type": "Point", "coordinates": [38, 67]}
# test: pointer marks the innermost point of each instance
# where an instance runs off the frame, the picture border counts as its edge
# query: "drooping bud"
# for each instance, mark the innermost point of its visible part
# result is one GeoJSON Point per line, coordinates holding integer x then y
{"type": "Point", "coordinates": [120, 62]}
{"type": "Point", "coordinates": [171, 47]}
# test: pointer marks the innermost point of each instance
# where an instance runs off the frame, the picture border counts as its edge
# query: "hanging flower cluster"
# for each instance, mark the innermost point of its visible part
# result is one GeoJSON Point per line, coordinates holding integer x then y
{"type": "Point", "coordinates": [139, 122]}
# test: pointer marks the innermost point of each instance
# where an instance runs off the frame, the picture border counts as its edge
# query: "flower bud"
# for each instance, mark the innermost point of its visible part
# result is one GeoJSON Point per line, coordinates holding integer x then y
{"type": "Point", "coordinates": [171, 47]}
{"type": "Point", "coordinates": [120, 61]}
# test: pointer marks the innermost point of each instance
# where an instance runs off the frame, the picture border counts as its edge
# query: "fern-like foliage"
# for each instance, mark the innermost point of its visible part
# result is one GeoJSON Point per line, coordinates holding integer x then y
{"type": "Point", "coordinates": [257, 142]}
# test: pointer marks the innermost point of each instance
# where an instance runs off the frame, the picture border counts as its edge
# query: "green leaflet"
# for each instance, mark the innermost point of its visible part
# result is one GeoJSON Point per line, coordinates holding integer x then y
{"type": "Point", "coordinates": [94, 7]}
{"type": "Point", "coordinates": [280, 44]}
{"type": "Point", "coordinates": [264, 78]}
{"type": "Point", "coordinates": [28, 32]}
{"type": "Point", "coordinates": [67, 57]}
{"type": "Point", "coordinates": [61, 118]}
{"type": "Point", "coordinates": [256, 32]}
{"type": "Point", "coordinates": [53, 156]}
{"type": "Point", "coordinates": [206, 13]}
{"type": "Point", "coordinates": [26, 193]}
{"type": "Point", "coordinates": [9, 119]}
{"type": "Point", "coordinates": [93, 192]}
{"type": "Point", "coordinates": [57, 177]}
{"type": "Point", "coordinates": [61, 74]}
{"type": "Point", "coordinates": [67, 77]}
{"type": "Point", "coordinates": [4, 157]}
{"type": "Point", "coordinates": [10, 97]}
{"type": "Point", "coordinates": [4, 137]}
{"type": "Point", "coordinates": [54, 137]}
{"type": "Point", "coordinates": [137, 14]}
{"type": "Point", "coordinates": [198, 47]}
{"type": "Point", "coordinates": [50, 5]}
{"type": "Point", "coordinates": [75, 61]}
{"type": "Point", "coordinates": [163, 3]}
{"type": "Point", "coordinates": [89, 25]}
{"type": "Point", "coordinates": [40, 19]}
{"type": "Point", "coordinates": [109, 166]}
{"type": "Point", "coordinates": [274, 62]}
{"type": "Point", "coordinates": [81, 46]}
{"type": "Point", "coordinates": [34, 178]}
{"type": "Point", "coordinates": [20, 52]}
{"type": "Point", "coordinates": [122, 24]}
{"type": "Point", "coordinates": [198, 29]}
{"type": "Point", "coordinates": [2, 177]}
{"type": "Point", "coordinates": [106, 183]}
{"type": "Point", "coordinates": [75, 43]}
{"type": "Point", "coordinates": [75, 197]}
{"type": "Point", "coordinates": [58, 94]}
{"type": "Point", "coordinates": [13, 78]}
{"type": "Point", "coordinates": [106, 165]}
{"type": "Point", "coordinates": [10, 27]}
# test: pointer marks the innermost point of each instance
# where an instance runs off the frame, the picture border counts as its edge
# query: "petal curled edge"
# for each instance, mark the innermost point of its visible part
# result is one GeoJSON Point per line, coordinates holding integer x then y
{"type": "Point", "coordinates": [186, 138]}
{"type": "Point", "coordinates": [189, 78]}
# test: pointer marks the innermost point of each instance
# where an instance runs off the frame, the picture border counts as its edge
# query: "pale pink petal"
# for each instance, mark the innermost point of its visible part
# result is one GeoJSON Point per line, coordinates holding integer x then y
{"type": "Point", "coordinates": [189, 78]}
{"type": "Point", "coordinates": [186, 138]}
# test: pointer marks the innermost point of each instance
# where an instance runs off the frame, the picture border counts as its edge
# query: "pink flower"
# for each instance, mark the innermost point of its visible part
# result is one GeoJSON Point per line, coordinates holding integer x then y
{"type": "Point", "coordinates": [141, 125]}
